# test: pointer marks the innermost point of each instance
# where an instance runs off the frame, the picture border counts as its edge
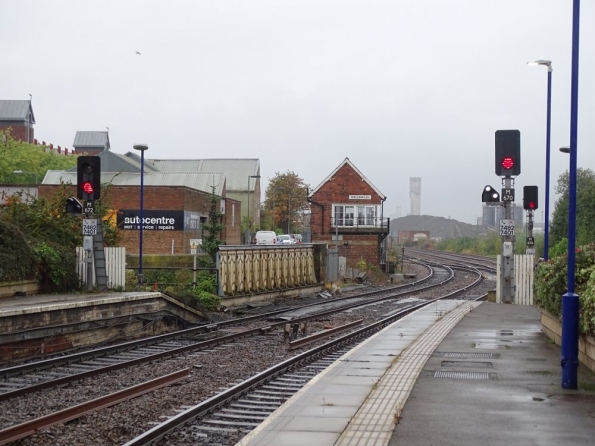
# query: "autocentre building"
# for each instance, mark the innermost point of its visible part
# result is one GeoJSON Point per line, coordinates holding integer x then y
{"type": "Point", "coordinates": [176, 203]}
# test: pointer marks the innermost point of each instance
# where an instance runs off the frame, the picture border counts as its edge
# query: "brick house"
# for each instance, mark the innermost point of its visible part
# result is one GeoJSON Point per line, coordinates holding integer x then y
{"type": "Point", "coordinates": [175, 205]}
{"type": "Point", "coordinates": [19, 117]}
{"type": "Point", "coordinates": [347, 211]}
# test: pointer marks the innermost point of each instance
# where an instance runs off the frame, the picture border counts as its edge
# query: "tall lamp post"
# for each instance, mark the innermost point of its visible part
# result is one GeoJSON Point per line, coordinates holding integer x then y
{"type": "Point", "coordinates": [20, 172]}
{"type": "Point", "coordinates": [548, 64]}
{"type": "Point", "coordinates": [141, 148]}
{"type": "Point", "coordinates": [570, 300]}
{"type": "Point", "coordinates": [249, 238]}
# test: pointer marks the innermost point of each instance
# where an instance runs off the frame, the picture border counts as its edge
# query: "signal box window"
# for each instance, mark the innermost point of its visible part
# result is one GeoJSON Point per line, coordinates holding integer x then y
{"type": "Point", "coordinates": [349, 215]}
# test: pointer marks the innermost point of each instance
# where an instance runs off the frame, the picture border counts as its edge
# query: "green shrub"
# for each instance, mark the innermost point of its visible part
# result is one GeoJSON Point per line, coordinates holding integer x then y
{"type": "Point", "coordinates": [209, 301]}
{"type": "Point", "coordinates": [17, 259]}
{"type": "Point", "coordinates": [56, 268]}
{"type": "Point", "coordinates": [550, 283]}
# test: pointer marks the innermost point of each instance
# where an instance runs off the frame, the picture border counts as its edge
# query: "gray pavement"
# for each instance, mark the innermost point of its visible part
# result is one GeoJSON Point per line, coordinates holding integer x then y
{"type": "Point", "coordinates": [521, 403]}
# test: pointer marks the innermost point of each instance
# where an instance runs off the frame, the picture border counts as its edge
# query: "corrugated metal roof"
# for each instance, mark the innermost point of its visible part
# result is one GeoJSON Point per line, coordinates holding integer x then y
{"type": "Point", "coordinates": [237, 170]}
{"type": "Point", "coordinates": [16, 111]}
{"type": "Point", "coordinates": [193, 180]}
{"type": "Point", "coordinates": [114, 162]}
{"type": "Point", "coordinates": [91, 139]}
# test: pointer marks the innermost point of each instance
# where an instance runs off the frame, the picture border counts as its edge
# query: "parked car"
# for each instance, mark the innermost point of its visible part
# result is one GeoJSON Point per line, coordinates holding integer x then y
{"type": "Point", "coordinates": [297, 238]}
{"type": "Point", "coordinates": [265, 238]}
{"type": "Point", "coordinates": [284, 239]}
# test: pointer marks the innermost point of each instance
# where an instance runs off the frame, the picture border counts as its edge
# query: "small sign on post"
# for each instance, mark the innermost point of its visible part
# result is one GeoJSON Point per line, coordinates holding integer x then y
{"type": "Point", "coordinates": [194, 244]}
{"type": "Point", "coordinates": [507, 227]}
{"type": "Point", "coordinates": [89, 226]}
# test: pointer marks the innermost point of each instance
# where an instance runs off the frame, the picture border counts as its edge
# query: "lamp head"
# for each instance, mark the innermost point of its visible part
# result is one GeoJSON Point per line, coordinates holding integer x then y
{"type": "Point", "coordinates": [140, 146]}
{"type": "Point", "coordinates": [565, 149]}
{"type": "Point", "coordinates": [547, 63]}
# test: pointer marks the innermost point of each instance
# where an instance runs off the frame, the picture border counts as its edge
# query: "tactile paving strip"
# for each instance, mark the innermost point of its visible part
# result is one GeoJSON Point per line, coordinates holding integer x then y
{"type": "Point", "coordinates": [374, 422]}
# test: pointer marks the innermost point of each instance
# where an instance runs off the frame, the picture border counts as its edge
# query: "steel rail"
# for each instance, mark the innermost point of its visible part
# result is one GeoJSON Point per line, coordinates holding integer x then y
{"type": "Point", "coordinates": [200, 345]}
{"type": "Point", "coordinates": [126, 346]}
{"type": "Point", "coordinates": [158, 432]}
{"type": "Point", "coordinates": [212, 403]}
{"type": "Point", "coordinates": [323, 334]}
{"type": "Point", "coordinates": [30, 427]}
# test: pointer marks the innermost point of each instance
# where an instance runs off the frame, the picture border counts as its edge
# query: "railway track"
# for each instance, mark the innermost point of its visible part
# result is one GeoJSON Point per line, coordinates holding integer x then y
{"type": "Point", "coordinates": [244, 406]}
{"type": "Point", "coordinates": [32, 377]}
{"type": "Point", "coordinates": [228, 416]}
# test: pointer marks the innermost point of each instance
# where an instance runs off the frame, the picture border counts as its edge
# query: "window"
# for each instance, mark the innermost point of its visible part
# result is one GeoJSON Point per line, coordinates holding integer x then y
{"type": "Point", "coordinates": [349, 215]}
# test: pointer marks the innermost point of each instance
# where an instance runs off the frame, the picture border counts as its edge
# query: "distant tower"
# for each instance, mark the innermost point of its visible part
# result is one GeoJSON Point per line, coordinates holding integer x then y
{"type": "Point", "coordinates": [415, 195]}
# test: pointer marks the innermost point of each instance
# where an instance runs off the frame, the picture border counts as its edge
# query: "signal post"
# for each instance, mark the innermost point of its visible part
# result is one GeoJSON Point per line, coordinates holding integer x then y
{"type": "Point", "coordinates": [508, 165]}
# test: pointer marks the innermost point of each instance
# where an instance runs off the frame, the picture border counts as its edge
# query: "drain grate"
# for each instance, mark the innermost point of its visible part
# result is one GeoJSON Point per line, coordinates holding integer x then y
{"type": "Point", "coordinates": [461, 375]}
{"type": "Point", "coordinates": [470, 355]}
{"type": "Point", "coordinates": [475, 364]}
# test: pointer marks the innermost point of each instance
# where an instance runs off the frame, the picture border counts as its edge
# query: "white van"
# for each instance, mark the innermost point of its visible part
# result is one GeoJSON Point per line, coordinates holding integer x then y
{"type": "Point", "coordinates": [265, 238]}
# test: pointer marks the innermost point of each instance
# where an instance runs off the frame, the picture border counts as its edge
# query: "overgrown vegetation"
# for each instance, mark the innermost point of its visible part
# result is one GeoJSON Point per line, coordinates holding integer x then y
{"type": "Point", "coordinates": [38, 240]}
{"type": "Point", "coordinates": [179, 283]}
{"type": "Point", "coordinates": [550, 283]}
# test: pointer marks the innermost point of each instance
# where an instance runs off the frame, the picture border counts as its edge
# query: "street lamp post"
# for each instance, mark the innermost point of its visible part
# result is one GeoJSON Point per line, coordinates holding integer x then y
{"type": "Point", "coordinates": [548, 64]}
{"type": "Point", "coordinates": [288, 212]}
{"type": "Point", "coordinates": [570, 300]}
{"type": "Point", "coordinates": [20, 172]}
{"type": "Point", "coordinates": [249, 238]}
{"type": "Point", "coordinates": [141, 148]}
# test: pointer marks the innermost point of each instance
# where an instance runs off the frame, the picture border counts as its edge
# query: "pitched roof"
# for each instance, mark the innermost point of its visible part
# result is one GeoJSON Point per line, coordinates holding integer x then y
{"type": "Point", "coordinates": [16, 111]}
{"type": "Point", "coordinates": [91, 139]}
{"type": "Point", "coordinates": [237, 170]}
{"type": "Point", "coordinates": [193, 180]}
{"type": "Point", "coordinates": [332, 174]}
{"type": "Point", "coordinates": [114, 162]}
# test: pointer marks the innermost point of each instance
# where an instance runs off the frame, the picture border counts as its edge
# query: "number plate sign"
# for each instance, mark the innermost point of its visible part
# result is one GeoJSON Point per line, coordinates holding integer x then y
{"type": "Point", "coordinates": [89, 226]}
{"type": "Point", "coordinates": [508, 195]}
{"type": "Point", "coordinates": [530, 251]}
{"type": "Point", "coordinates": [506, 227]}
{"type": "Point", "coordinates": [530, 242]}
{"type": "Point", "coordinates": [89, 207]}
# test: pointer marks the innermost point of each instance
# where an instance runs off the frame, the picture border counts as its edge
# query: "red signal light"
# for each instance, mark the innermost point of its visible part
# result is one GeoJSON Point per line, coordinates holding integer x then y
{"type": "Point", "coordinates": [507, 162]}
{"type": "Point", "coordinates": [532, 205]}
{"type": "Point", "coordinates": [87, 187]}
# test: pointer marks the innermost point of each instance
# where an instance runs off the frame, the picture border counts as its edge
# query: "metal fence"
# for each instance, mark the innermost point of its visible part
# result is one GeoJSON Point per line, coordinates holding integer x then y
{"type": "Point", "coordinates": [523, 279]}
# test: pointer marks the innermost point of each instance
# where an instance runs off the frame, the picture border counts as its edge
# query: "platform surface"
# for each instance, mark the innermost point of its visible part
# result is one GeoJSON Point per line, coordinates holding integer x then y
{"type": "Point", "coordinates": [454, 373]}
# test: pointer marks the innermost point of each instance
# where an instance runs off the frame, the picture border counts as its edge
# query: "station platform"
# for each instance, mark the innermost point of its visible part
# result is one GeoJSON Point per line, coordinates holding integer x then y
{"type": "Point", "coordinates": [453, 373]}
{"type": "Point", "coordinates": [54, 323]}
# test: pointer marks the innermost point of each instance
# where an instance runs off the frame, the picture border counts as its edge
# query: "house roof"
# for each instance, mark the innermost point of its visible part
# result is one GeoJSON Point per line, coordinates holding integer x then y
{"type": "Point", "coordinates": [16, 111]}
{"type": "Point", "coordinates": [91, 139]}
{"type": "Point", "coordinates": [114, 162]}
{"type": "Point", "coordinates": [332, 174]}
{"type": "Point", "coordinates": [194, 180]}
{"type": "Point", "coordinates": [237, 171]}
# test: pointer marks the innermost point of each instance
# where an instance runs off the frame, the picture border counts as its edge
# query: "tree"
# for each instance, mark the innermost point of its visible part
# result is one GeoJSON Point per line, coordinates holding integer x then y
{"type": "Point", "coordinates": [285, 201]}
{"type": "Point", "coordinates": [28, 158]}
{"type": "Point", "coordinates": [213, 228]}
{"type": "Point", "coordinates": [585, 208]}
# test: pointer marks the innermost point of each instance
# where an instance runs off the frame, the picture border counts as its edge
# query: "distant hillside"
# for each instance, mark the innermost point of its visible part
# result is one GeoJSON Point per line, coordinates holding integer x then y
{"type": "Point", "coordinates": [438, 226]}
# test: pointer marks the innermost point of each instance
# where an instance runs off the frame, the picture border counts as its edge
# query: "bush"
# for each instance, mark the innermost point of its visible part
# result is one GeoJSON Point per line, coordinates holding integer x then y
{"type": "Point", "coordinates": [208, 301]}
{"type": "Point", "coordinates": [550, 283]}
{"type": "Point", "coordinates": [17, 259]}
{"type": "Point", "coordinates": [56, 268]}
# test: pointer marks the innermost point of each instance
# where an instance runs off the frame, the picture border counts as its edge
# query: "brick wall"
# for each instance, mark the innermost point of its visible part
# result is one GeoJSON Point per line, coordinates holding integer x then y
{"type": "Point", "coordinates": [337, 190]}
{"type": "Point", "coordinates": [168, 198]}
{"type": "Point", "coordinates": [20, 132]}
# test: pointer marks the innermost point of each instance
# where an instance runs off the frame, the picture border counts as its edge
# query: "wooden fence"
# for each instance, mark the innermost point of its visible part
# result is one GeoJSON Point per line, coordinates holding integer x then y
{"type": "Point", "coordinates": [115, 264]}
{"type": "Point", "coordinates": [523, 279]}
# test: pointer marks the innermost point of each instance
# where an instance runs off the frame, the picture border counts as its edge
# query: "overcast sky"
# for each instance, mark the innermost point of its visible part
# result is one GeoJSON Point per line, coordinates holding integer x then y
{"type": "Point", "coordinates": [412, 88]}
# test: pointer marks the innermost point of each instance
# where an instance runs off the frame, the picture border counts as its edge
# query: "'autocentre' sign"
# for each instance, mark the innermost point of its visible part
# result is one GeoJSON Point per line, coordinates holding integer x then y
{"type": "Point", "coordinates": [152, 220]}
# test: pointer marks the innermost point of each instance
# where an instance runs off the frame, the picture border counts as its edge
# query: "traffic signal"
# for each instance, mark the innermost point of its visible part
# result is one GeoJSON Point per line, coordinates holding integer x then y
{"type": "Point", "coordinates": [73, 206]}
{"type": "Point", "coordinates": [490, 195]}
{"type": "Point", "coordinates": [508, 153]}
{"type": "Point", "coordinates": [530, 196]}
{"type": "Point", "coordinates": [88, 175]}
